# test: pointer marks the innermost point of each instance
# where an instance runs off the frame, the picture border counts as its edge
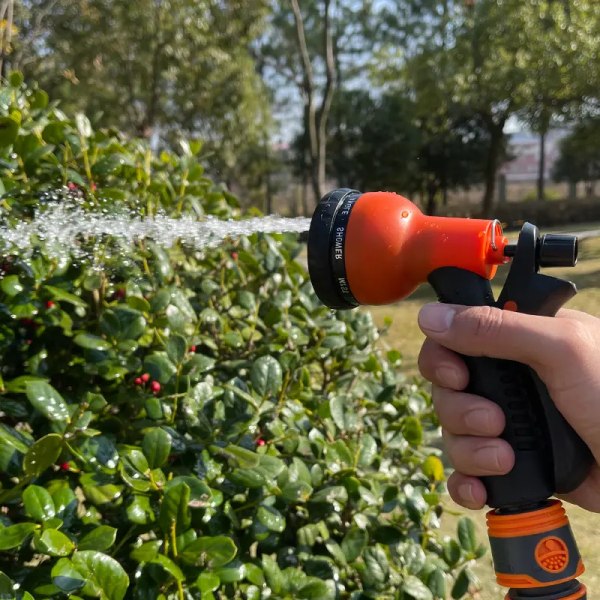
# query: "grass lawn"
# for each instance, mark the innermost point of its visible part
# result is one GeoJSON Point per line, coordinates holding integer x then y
{"type": "Point", "coordinates": [405, 335]}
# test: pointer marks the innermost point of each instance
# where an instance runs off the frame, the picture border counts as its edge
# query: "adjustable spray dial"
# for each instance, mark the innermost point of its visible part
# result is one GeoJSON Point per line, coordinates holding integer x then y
{"type": "Point", "coordinates": [377, 248]}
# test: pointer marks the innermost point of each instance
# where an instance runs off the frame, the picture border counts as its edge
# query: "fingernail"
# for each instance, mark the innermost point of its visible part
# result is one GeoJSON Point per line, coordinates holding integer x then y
{"type": "Point", "coordinates": [465, 491]}
{"type": "Point", "coordinates": [436, 318]}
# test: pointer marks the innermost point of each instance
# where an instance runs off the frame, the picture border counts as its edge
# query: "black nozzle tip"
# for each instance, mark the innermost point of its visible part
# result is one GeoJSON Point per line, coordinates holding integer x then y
{"type": "Point", "coordinates": [557, 250]}
{"type": "Point", "coordinates": [327, 271]}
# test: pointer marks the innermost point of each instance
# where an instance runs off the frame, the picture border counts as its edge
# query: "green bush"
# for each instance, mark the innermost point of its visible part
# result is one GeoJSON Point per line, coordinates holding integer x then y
{"type": "Point", "coordinates": [187, 425]}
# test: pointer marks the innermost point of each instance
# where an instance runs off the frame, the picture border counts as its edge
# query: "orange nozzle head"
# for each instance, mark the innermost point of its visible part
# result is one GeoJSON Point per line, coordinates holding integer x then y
{"type": "Point", "coordinates": [377, 247]}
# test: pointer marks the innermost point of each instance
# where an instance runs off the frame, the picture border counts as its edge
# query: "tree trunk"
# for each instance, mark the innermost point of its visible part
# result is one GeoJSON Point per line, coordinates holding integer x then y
{"type": "Point", "coordinates": [315, 122]}
{"type": "Point", "coordinates": [305, 211]}
{"type": "Point", "coordinates": [6, 15]}
{"type": "Point", "coordinates": [491, 166]}
{"type": "Point", "coordinates": [589, 189]}
{"type": "Point", "coordinates": [431, 193]}
{"type": "Point", "coordinates": [325, 108]}
{"type": "Point", "coordinates": [541, 167]}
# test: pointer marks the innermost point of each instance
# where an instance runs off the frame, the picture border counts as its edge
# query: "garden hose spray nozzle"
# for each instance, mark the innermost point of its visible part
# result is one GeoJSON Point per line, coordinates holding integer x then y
{"type": "Point", "coordinates": [376, 248]}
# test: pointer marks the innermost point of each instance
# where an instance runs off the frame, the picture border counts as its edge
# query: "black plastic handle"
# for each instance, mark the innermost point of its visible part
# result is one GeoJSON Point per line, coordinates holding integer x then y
{"type": "Point", "coordinates": [549, 456]}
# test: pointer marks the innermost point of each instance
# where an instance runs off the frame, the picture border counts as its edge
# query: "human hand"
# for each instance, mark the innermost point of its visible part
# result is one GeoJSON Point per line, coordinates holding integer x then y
{"type": "Point", "coordinates": [565, 353]}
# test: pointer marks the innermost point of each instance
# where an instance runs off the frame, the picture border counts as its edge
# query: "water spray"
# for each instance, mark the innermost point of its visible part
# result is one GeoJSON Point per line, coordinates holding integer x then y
{"type": "Point", "coordinates": [377, 248]}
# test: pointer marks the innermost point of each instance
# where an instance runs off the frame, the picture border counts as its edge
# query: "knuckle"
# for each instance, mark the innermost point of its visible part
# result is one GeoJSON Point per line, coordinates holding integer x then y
{"type": "Point", "coordinates": [487, 321]}
{"type": "Point", "coordinates": [577, 338]}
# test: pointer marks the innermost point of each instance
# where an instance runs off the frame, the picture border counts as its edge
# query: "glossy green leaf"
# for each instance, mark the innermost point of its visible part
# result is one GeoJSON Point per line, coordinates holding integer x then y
{"type": "Point", "coordinates": [99, 489]}
{"type": "Point", "coordinates": [91, 342]}
{"type": "Point", "coordinates": [160, 367]}
{"type": "Point", "coordinates": [140, 511]}
{"type": "Point", "coordinates": [45, 451]}
{"type": "Point", "coordinates": [84, 126]}
{"type": "Point", "coordinates": [219, 549]}
{"type": "Point", "coordinates": [156, 446]}
{"type": "Point", "coordinates": [54, 543]}
{"type": "Point", "coordinates": [315, 589]}
{"type": "Point", "coordinates": [231, 573]}
{"type": "Point", "coordinates": [174, 508]}
{"type": "Point", "coordinates": [10, 284]}
{"type": "Point", "coordinates": [100, 538]}
{"type": "Point", "coordinates": [273, 575]}
{"type": "Point", "coordinates": [271, 518]}
{"type": "Point", "coordinates": [466, 534]}
{"type": "Point", "coordinates": [354, 542]}
{"type": "Point", "coordinates": [376, 564]}
{"type": "Point", "coordinates": [38, 503]}
{"type": "Point", "coordinates": [14, 535]}
{"type": "Point", "coordinates": [244, 457]}
{"type": "Point", "coordinates": [48, 401]}
{"type": "Point", "coordinates": [169, 566]}
{"type": "Point", "coordinates": [6, 586]}
{"type": "Point", "coordinates": [331, 494]}
{"type": "Point", "coordinates": [451, 552]}
{"type": "Point", "coordinates": [62, 295]}
{"type": "Point", "coordinates": [413, 431]}
{"type": "Point", "coordinates": [104, 575]}
{"type": "Point", "coordinates": [176, 348]}
{"type": "Point", "coordinates": [208, 582]}
{"type": "Point", "coordinates": [368, 450]}
{"type": "Point", "coordinates": [461, 585]}
{"type": "Point", "coordinates": [416, 588]}
{"type": "Point", "coordinates": [67, 577]}
{"type": "Point", "coordinates": [266, 375]}
{"type": "Point", "coordinates": [9, 129]}
{"type": "Point", "coordinates": [147, 551]}
{"type": "Point", "coordinates": [436, 582]}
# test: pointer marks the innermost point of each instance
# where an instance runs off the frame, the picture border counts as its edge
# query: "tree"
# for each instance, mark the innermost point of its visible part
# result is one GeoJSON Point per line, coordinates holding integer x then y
{"type": "Point", "coordinates": [161, 67]}
{"type": "Point", "coordinates": [313, 48]}
{"type": "Point", "coordinates": [301, 52]}
{"type": "Point", "coordinates": [561, 54]}
{"type": "Point", "coordinates": [579, 158]}
{"type": "Point", "coordinates": [374, 143]}
{"type": "Point", "coordinates": [489, 57]}
{"type": "Point", "coordinates": [381, 144]}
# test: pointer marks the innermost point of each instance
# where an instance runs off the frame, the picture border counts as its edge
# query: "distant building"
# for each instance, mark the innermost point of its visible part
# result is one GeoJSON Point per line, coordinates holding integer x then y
{"type": "Point", "coordinates": [525, 148]}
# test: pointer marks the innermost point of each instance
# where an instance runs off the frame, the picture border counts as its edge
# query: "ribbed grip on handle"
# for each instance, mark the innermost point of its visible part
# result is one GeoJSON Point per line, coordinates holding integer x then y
{"type": "Point", "coordinates": [549, 456]}
{"type": "Point", "coordinates": [511, 386]}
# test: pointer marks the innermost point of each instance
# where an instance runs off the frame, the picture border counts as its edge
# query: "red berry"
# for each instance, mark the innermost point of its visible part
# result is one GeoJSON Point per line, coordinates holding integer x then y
{"type": "Point", "coordinates": [234, 255]}
{"type": "Point", "coordinates": [138, 381]}
{"type": "Point", "coordinates": [72, 186]}
{"type": "Point", "coordinates": [155, 387]}
{"type": "Point", "coordinates": [120, 294]}
{"type": "Point", "coordinates": [50, 304]}
{"type": "Point", "coordinates": [145, 377]}
{"type": "Point", "coordinates": [192, 349]}
{"type": "Point", "coordinates": [260, 442]}
{"type": "Point", "coordinates": [65, 466]}
{"type": "Point", "coordinates": [93, 186]}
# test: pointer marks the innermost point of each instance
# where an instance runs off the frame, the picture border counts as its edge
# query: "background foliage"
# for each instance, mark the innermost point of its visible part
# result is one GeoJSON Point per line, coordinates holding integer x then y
{"type": "Point", "coordinates": [178, 424]}
{"type": "Point", "coordinates": [251, 77]}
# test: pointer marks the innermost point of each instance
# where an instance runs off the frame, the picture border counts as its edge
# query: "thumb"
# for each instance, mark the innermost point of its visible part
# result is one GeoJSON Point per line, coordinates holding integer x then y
{"type": "Point", "coordinates": [488, 331]}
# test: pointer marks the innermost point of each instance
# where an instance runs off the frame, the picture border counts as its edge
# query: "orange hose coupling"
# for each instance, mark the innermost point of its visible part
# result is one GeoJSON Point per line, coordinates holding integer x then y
{"type": "Point", "coordinates": [534, 549]}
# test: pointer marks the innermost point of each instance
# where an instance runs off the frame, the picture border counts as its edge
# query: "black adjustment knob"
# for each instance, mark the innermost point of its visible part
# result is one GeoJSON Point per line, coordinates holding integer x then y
{"type": "Point", "coordinates": [557, 250]}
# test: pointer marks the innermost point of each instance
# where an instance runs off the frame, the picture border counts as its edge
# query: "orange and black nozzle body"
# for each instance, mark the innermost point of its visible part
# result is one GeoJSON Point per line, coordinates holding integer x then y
{"type": "Point", "coordinates": [376, 248]}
